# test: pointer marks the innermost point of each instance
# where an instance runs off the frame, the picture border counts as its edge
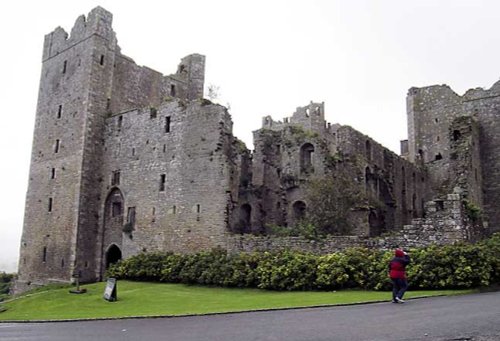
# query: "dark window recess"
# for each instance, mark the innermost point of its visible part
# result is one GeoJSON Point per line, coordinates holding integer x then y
{"type": "Point", "coordinates": [164, 148]}
{"type": "Point", "coordinates": [131, 216]}
{"type": "Point", "coordinates": [133, 151]}
{"type": "Point", "coordinates": [108, 104]}
{"type": "Point", "coordinates": [62, 263]}
{"type": "Point", "coordinates": [172, 90]}
{"type": "Point", "coordinates": [198, 208]}
{"type": "Point", "coordinates": [439, 205]}
{"type": "Point", "coordinates": [115, 179]}
{"type": "Point", "coordinates": [167, 124]}
{"type": "Point", "coordinates": [162, 182]}
{"type": "Point", "coordinates": [44, 255]}
{"type": "Point", "coordinates": [57, 146]}
{"type": "Point", "coordinates": [102, 60]}
{"type": "Point", "coordinates": [368, 150]}
{"type": "Point", "coordinates": [120, 122]}
{"type": "Point", "coordinates": [50, 204]}
{"type": "Point", "coordinates": [174, 209]}
{"type": "Point", "coordinates": [53, 173]}
{"type": "Point", "coordinates": [456, 135]}
{"type": "Point", "coordinates": [116, 210]}
{"type": "Point", "coordinates": [59, 111]}
{"type": "Point", "coordinates": [153, 112]}
{"type": "Point", "coordinates": [438, 157]}
{"type": "Point", "coordinates": [65, 64]}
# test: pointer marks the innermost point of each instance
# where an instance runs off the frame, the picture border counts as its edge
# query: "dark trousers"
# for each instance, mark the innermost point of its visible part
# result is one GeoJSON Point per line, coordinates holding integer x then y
{"type": "Point", "coordinates": [399, 286]}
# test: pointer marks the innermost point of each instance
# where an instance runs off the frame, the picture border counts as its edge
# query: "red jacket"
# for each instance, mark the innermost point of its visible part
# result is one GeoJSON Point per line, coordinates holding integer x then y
{"type": "Point", "coordinates": [398, 264]}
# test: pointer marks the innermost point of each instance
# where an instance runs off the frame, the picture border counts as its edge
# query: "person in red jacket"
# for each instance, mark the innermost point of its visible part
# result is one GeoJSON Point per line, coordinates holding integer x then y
{"type": "Point", "coordinates": [397, 274]}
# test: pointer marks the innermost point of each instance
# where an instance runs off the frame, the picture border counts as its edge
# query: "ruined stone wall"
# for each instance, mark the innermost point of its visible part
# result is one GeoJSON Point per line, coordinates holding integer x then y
{"type": "Point", "coordinates": [400, 186]}
{"type": "Point", "coordinates": [175, 169]}
{"type": "Point", "coordinates": [431, 115]}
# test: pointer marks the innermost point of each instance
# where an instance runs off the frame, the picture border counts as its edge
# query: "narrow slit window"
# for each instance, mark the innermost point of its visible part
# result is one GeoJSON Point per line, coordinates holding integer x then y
{"type": "Point", "coordinates": [167, 124]}
{"type": "Point", "coordinates": [57, 146]}
{"type": "Point", "coordinates": [65, 64]}
{"type": "Point", "coordinates": [102, 60]}
{"type": "Point", "coordinates": [44, 255]}
{"type": "Point", "coordinates": [59, 111]}
{"type": "Point", "coordinates": [115, 179]}
{"type": "Point", "coordinates": [53, 173]}
{"type": "Point", "coordinates": [172, 90]}
{"type": "Point", "coordinates": [162, 182]}
{"type": "Point", "coordinates": [174, 209]}
{"type": "Point", "coordinates": [198, 208]}
{"type": "Point", "coordinates": [120, 122]}
{"type": "Point", "coordinates": [51, 203]}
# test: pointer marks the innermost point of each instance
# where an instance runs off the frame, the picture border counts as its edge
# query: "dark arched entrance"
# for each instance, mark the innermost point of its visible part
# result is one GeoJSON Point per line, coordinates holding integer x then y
{"type": "Point", "coordinates": [113, 255]}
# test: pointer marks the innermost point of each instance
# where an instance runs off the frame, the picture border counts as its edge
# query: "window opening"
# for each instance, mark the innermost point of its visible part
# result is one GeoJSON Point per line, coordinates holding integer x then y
{"type": "Point", "coordinates": [167, 124]}
{"type": "Point", "coordinates": [131, 216]}
{"type": "Point", "coordinates": [57, 146]}
{"type": "Point", "coordinates": [53, 173]}
{"type": "Point", "coordinates": [102, 60]}
{"type": "Point", "coordinates": [50, 204]}
{"type": "Point", "coordinates": [59, 111]}
{"type": "Point", "coordinates": [65, 64]}
{"type": "Point", "coordinates": [172, 90]}
{"type": "Point", "coordinates": [116, 210]}
{"type": "Point", "coordinates": [115, 179]}
{"type": "Point", "coordinates": [44, 256]}
{"type": "Point", "coordinates": [162, 182]}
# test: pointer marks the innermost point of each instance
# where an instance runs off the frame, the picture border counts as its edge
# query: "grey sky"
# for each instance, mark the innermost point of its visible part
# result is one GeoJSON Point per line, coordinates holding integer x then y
{"type": "Point", "coordinates": [268, 57]}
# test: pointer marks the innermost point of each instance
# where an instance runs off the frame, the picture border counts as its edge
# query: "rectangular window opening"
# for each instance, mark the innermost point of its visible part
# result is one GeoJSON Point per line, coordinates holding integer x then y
{"type": "Point", "coordinates": [57, 146]}
{"type": "Point", "coordinates": [153, 112]}
{"type": "Point", "coordinates": [53, 173]}
{"type": "Point", "coordinates": [59, 111]}
{"type": "Point", "coordinates": [50, 204]}
{"type": "Point", "coordinates": [44, 256]}
{"type": "Point", "coordinates": [120, 122]}
{"type": "Point", "coordinates": [167, 124]}
{"type": "Point", "coordinates": [131, 216]}
{"type": "Point", "coordinates": [198, 208]}
{"type": "Point", "coordinates": [162, 182]}
{"type": "Point", "coordinates": [102, 60]}
{"type": "Point", "coordinates": [172, 90]}
{"type": "Point", "coordinates": [174, 209]}
{"type": "Point", "coordinates": [65, 64]}
{"type": "Point", "coordinates": [115, 179]}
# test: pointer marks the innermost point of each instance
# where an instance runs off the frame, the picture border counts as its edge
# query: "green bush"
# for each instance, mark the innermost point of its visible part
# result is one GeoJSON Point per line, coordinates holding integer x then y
{"type": "Point", "coordinates": [458, 266]}
{"type": "Point", "coordinates": [287, 271]}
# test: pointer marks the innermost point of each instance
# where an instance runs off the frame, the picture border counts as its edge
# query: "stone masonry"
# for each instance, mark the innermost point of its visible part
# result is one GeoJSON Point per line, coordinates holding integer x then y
{"type": "Point", "coordinates": [127, 160]}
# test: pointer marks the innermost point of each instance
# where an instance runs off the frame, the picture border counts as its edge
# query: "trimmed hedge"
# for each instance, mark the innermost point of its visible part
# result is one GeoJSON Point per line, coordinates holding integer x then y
{"type": "Point", "coordinates": [458, 266]}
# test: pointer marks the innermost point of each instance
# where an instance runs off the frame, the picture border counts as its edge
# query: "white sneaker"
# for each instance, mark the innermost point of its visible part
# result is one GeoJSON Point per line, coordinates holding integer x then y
{"type": "Point", "coordinates": [400, 300]}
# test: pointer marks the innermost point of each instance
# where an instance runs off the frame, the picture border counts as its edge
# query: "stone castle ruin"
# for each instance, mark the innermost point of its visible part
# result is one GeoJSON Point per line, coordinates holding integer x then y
{"type": "Point", "coordinates": [127, 160]}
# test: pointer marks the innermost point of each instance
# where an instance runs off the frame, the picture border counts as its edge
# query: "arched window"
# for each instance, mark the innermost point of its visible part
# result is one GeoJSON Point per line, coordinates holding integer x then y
{"type": "Point", "coordinates": [306, 158]}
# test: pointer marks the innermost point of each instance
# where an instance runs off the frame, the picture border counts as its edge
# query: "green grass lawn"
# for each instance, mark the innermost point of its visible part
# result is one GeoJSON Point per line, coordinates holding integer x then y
{"type": "Point", "coordinates": [152, 299]}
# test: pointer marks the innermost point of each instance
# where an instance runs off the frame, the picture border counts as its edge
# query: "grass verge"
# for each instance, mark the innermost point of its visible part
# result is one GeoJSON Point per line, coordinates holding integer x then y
{"type": "Point", "coordinates": [153, 299]}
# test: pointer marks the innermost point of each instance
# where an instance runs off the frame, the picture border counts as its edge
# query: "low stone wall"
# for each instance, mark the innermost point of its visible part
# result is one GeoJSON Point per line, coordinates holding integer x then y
{"type": "Point", "coordinates": [446, 223]}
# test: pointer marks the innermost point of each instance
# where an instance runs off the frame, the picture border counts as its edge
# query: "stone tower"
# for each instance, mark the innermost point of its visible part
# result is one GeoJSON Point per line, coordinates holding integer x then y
{"type": "Point", "coordinates": [60, 225]}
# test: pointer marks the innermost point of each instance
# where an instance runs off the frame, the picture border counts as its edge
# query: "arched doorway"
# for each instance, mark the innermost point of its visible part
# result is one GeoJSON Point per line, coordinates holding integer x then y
{"type": "Point", "coordinates": [299, 210]}
{"type": "Point", "coordinates": [113, 255]}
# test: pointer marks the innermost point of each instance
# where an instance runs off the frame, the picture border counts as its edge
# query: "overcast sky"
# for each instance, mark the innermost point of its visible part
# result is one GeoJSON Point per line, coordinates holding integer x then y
{"type": "Point", "coordinates": [267, 57]}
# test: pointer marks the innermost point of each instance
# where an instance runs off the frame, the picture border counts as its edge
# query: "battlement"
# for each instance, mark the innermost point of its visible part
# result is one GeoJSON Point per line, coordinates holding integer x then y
{"type": "Point", "coordinates": [310, 117]}
{"type": "Point", "coordinates": [98, 22]}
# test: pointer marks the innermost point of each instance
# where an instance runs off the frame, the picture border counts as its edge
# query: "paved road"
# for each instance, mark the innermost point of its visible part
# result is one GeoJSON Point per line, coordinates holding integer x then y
{"type": "Point", "coordinates": [471, 317]}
